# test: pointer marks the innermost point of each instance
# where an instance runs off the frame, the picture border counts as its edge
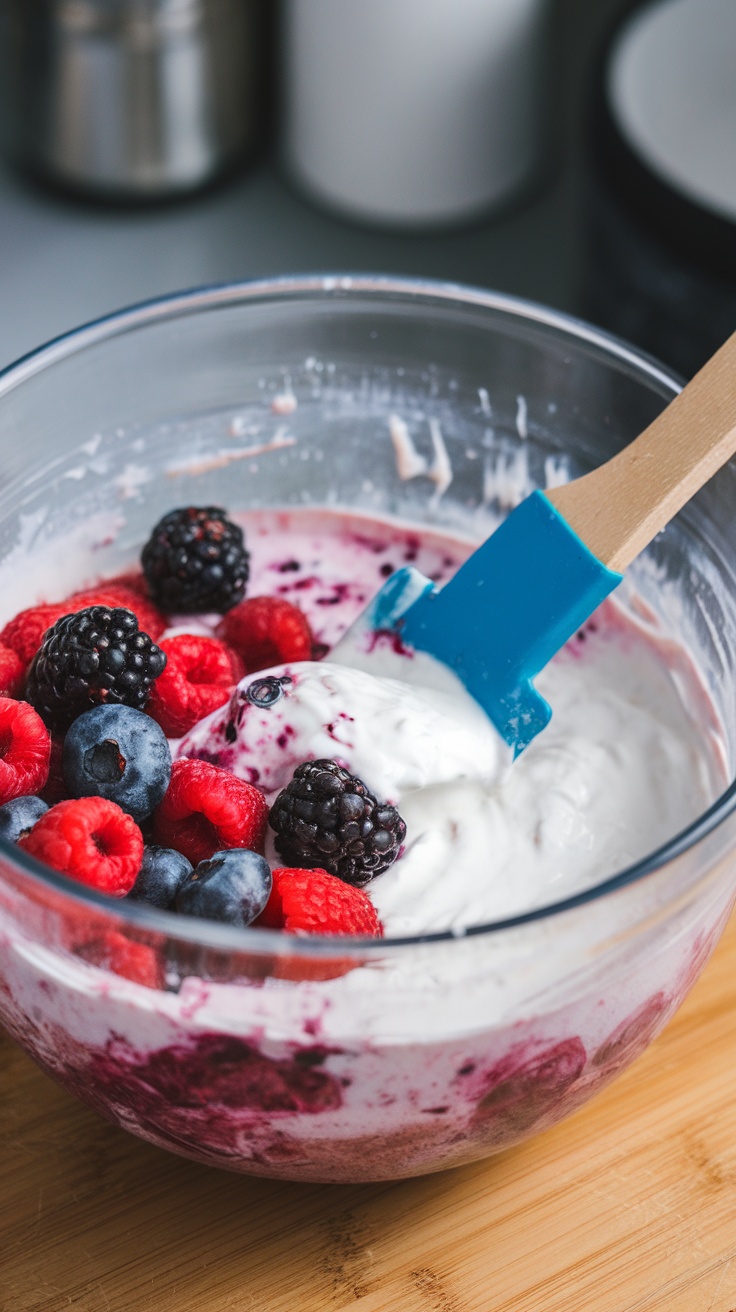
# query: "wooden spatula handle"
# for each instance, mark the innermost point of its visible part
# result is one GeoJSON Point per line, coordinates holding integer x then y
{"type": "Point", "coordinates": [619, 507]}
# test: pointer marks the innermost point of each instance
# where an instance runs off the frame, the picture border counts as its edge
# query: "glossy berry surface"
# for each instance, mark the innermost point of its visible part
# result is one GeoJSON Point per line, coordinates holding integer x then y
{"type": "Point", "coordinates": [315, 902]}
{"type": "Point", "coordinates": [267, 631]}
{"type": "Point", "coordinates": [95, 656]}
{"type": "Point", "coordinates": [200, 675]}
{"type": "Point", "coordinates": [25, 632]}
{"type": "Point", "coordinates": [160, 877]}
{"type": "Point", "coordinates": [19, 816]}
{"type": "Point", "coordinates": [326, 817]}
{"type": "Point", "coordinates": [25, 750]}
{"type": "Point", "coordinates": [118, 753]}
{"type": "Point", "coordinates": [208, 810]}
{"type": "Point", "coordinates": [90, 840]}
{"type": "Point", "coordinates": [195, 560]}
{"type": "Point", "coordinates": [231, 886]}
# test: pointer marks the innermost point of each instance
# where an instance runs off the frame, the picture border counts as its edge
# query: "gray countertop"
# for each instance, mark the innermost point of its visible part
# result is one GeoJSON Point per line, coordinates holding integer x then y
{"type": "Point", "coordinates": [63, 262]}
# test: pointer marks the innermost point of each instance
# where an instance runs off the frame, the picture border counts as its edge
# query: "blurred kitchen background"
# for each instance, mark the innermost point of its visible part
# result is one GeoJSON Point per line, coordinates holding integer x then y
{"type": "Point", "coordinates": [581, 153]}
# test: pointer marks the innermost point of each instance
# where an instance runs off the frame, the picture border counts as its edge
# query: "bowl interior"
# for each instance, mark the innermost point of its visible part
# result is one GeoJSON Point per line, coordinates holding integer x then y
{"type": "Point", "coordinates": [301, 393]}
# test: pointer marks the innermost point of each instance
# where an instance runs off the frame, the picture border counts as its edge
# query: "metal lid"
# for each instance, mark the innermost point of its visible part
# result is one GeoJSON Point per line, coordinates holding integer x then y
{"type": "Point", "coordinates": [135, 99]}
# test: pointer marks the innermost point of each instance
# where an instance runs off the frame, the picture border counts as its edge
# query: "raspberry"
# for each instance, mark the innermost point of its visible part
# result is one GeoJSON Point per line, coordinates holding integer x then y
{"type": "Point", "coordinates": [267, 631]}
{"type": "Point", "coordinates": [200, 675]}
{"type": "Point", "coordinates": [208, 810]}
{"type": "Point", "coordinates": [24, 633]}
{"type": "Point", "coordinates": [92, 657]}
{"type": "Point", "coordinates": [195, 560]}
{"type": "Point", "coordinates": [134, 961]}
{"type": "Point", "coordinates": [314, 902]}
{"type": "Point", "coordinates": [25, 750]}
{"type": "Point", "coordinates": [133, 581]}
{"type": "Point", "coordinates": [326, 817]}
{"type": "Point", "coordinates": [91, 840]}
{"type": "Point", "coordinates": [12, 672]}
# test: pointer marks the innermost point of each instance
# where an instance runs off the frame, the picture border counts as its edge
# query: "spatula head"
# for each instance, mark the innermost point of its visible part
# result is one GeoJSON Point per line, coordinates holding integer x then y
{"type": "Point", "coordinates": [503, 616]}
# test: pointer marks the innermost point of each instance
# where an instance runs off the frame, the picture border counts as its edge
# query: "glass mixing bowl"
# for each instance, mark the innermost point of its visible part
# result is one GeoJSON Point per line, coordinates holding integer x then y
{"type": "Point", "coordinates": [309, 1058]}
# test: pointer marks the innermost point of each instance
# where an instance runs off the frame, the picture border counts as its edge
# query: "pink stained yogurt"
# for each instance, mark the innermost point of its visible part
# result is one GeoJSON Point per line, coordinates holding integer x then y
{"type": "Point", "coordinates": [424, 1055]}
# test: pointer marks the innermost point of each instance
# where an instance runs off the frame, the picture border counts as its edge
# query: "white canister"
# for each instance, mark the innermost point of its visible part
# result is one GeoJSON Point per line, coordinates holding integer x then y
{"type": "Point", "coordinates": [413, 111]}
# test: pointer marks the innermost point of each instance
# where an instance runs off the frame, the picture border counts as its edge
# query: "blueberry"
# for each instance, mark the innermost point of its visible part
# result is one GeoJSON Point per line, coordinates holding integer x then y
{"type": "Point", "coordinates": [118, 753]}
{"type": "Point", "coordinates": [19, 816]}
{"type": "Point", "coordinates": [162, 873]}
{"type": "Point", "coordinates": [264, 692]}
{"type": "Point", "coordinates": [233, 886]}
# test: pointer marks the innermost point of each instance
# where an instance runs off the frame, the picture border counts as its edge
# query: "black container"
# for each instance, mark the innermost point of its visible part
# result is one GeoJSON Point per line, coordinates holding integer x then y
{"type": "Point", "coordinates": [659, 265]}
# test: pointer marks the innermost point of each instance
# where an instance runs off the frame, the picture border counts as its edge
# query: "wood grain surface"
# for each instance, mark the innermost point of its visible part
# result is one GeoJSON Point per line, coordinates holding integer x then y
{"type": "Point", "coordinates": [629, 1206]}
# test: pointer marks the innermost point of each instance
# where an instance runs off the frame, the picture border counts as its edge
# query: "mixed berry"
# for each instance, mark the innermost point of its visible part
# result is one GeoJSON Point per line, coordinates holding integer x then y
{"type": "Point", "coordinates": [208, 810]}
{"type": "Point", "coordinates": [327, 817]}
{"type": "Point", "coordinates": [198, 677]}
{"type": "Point", "coordinates": [96, 656]}
{"type": "Point", "coordinates": [232, 886]}
{"type": "Point", "coordinates": [91, 694]}
{"type": "Point", "coordinates": [163, 871]}
{"type": "Point", "coordinates": [91, 840]}
{"type": "Point", "coordinates": [118, 753]}
{"type": "Point", "coordinates": [195, 560]}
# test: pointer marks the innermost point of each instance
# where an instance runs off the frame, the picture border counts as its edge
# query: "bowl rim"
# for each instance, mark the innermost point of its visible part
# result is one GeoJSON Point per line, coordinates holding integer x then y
{"type": "Point", "coordinates": [259, 942]}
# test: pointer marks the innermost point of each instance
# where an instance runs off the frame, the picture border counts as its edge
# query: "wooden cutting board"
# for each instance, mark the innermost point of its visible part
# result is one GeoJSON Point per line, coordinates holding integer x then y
{"type": "Point", "coordinates": [630, 1206]}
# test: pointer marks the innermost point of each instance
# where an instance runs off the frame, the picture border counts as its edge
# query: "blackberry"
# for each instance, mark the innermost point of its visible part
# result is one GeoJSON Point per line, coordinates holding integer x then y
{"type": "Point", "coordinates": [95, 656]}
{"type": "Point", "coordinates": [195, 560]}
{"type": "Point", "coordinates": [327, 818]}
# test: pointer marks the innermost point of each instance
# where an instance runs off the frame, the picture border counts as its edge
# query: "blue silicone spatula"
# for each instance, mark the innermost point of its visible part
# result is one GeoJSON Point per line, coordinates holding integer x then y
{"type": "Point", "coordinates": [533, 583]}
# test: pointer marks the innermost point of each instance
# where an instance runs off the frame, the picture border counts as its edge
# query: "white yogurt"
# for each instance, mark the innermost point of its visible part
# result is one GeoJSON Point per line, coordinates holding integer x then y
{"type": "Point", "coordinates": [626, 763]}
{"type": "Point", "coordinates": [620, 769]}
{"type": "Point", "coordinates": [397, 737]}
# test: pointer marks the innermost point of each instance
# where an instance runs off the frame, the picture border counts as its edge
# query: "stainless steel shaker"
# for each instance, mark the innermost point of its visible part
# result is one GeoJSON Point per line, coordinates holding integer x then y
{"type": "Point", "coordinates": [134, 99]}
